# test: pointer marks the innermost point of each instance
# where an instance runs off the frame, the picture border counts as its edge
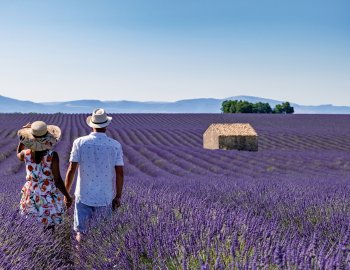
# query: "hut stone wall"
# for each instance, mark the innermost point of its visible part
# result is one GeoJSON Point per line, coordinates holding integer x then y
{"type": "Point", "coordinates": [231, 136]}
{"type": "Point", "coordinates": [242, 143]}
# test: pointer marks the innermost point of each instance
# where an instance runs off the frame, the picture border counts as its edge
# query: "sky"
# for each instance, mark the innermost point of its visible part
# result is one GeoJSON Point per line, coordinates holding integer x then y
{"type": "Point", "coordinates": [162, 50]}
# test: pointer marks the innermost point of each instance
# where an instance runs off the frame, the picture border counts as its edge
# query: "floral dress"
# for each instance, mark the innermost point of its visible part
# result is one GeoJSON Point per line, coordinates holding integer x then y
{"type": "Point", "coordinates": [40, 197]}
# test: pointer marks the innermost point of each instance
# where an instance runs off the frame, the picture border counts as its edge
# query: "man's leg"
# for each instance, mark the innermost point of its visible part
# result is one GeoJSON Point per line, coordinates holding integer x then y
{"type": "Point", "coordinates": [104, 211]}
{"type": "Point", "coordinates": [101, 213]}
{"type": "Point", "coordinates": [82, 214]}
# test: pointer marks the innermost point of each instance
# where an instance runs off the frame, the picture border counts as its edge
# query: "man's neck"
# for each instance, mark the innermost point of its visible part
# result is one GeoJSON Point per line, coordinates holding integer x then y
{"type": "Point", "coordinates": [99, 130]}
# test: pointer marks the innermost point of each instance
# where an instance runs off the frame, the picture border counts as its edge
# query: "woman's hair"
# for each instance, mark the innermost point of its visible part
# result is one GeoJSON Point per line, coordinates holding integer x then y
{"type": "Point", "coordinates": [39, 155]}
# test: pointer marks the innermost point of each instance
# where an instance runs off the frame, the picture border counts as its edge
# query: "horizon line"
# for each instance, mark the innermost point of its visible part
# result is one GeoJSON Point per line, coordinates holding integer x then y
{"type": "Point", "coordinates": [153, 101]}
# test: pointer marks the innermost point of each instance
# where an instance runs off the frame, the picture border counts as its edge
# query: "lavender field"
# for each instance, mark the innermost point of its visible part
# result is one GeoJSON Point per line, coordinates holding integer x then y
{"type": "Point", "coordinates": [286, 206]}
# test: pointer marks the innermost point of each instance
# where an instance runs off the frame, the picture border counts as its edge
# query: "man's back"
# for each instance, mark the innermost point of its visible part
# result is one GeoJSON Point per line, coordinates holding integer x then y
{"type": "Point", "coordinates": [97, 155]}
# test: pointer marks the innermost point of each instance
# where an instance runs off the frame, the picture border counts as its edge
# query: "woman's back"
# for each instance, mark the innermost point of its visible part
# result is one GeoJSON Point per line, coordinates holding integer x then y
{"type": "Point", "coordinates": [40, 196]}
{"type": "Point", "coordinates": [39, 165]}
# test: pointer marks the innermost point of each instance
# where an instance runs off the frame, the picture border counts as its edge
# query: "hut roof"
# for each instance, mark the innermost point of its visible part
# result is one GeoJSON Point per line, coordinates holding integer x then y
{"type": "Point", "coordinates": [238, 129]}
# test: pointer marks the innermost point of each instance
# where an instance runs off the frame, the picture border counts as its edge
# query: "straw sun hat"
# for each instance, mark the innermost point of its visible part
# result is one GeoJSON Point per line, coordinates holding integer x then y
{"type": "Point", "coordinates": [98, 119]}
{"type": "Point", "coordinates": [38, 136]}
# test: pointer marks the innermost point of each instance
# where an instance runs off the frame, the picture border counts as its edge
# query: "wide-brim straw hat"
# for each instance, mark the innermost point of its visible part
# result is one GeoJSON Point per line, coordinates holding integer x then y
{"type": "Point", "coordinates": [98, 119]}
{"type": "Point", "coordinates": [39, 136]}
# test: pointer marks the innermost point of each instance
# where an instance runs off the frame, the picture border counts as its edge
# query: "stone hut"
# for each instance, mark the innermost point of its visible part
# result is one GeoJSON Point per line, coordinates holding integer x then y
{"type": "Point", "coordinates": [231, 136]}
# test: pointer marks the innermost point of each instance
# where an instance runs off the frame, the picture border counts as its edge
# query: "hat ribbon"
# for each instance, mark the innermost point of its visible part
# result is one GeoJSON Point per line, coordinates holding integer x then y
{"type": "Point", "coordinates": [42, 136]}
{"type": "Point", "coordinates": [99, 122]}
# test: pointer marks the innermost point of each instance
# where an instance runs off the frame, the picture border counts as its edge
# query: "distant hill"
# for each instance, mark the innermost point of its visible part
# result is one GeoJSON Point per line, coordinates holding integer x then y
{"type": "Point", "coordinates": [200, 105]}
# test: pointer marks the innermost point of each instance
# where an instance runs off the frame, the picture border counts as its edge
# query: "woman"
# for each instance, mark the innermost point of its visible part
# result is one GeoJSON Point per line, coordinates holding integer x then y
{"type": "Point", "coordinates": [40, 197]}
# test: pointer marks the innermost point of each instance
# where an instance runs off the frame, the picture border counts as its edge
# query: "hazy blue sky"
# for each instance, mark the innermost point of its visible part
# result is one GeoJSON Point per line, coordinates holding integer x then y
{"type": "Point", "coordinates": [296, 50]}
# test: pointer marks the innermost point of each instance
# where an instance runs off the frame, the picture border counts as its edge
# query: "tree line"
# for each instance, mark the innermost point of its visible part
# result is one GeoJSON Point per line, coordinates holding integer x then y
{"type": "Point", "coordinates": [240, 106]}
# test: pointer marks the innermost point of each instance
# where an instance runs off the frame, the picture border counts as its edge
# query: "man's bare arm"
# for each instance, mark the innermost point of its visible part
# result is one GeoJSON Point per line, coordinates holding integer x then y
{"type": "Point", "coordinates": [70, 175]}
{"type": "Point", "coordinates": [119, 171]}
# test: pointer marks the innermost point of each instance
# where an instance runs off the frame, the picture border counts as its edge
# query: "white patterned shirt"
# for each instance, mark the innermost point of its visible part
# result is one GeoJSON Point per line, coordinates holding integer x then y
{"type": "Point", "coordinates": [97, 155]}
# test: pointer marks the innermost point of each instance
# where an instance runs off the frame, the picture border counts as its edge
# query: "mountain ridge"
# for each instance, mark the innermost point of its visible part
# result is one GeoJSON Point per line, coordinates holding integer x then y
{"type": "Point", "coordinates": [197, 105]}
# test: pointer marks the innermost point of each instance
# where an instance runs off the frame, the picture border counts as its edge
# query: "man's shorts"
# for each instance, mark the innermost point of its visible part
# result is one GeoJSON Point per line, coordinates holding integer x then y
{"type": "Point", "coordinates": [86, 214]}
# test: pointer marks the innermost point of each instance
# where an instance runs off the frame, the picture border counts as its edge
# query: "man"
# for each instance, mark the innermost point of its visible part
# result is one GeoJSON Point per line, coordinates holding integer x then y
{"type": "Point", "coordinates": [98, 158]}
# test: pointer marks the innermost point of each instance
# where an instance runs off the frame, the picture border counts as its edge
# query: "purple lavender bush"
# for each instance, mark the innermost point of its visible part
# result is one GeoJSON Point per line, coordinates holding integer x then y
{"type": "Point", "coordinates": [286, 206]}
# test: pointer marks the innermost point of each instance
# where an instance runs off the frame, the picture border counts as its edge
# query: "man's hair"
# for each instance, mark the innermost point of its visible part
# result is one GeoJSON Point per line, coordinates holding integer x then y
{"type": "Point", "coordinates": [101, 129]}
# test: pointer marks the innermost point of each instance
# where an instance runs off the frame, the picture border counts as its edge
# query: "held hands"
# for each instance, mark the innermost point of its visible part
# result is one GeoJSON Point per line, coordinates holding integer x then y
{"type": "Point", "coordinates": [68, 201]}
{"type": "Point", "coordinates": [116, 203]}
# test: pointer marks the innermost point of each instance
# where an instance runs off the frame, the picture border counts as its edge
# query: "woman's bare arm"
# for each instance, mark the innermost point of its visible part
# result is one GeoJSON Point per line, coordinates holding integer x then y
{"type": "Point", "coordinates": [20, 153]}
{"type": "Point", "coordinates": [20, 147]}
{"type": "Point", "coordinates": [57, 176]}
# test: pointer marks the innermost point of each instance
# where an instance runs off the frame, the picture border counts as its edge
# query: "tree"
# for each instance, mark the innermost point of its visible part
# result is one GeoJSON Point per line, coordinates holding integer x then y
{"type": "Point", "coordinates": [233, 106]}
{"type": "Point", "coordinates": [278, 109]}
{"type": "Point", "coordinates": [240, 106]}
{"type": "Point", "coordinates": [225, 106]}
{"type": "Point", "coordinates": [261, 107]}
{"type": "Point", "coordinates": [284, 108]}
{"type": "Point", "coordinates": [244, 107]}
{"type": "Point", "coordinates": [287, 108]}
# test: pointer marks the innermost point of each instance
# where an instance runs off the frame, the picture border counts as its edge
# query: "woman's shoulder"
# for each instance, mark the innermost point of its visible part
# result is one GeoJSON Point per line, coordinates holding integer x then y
{"type": "Point", "coordinates": [27, 155]}
{"type": "Point", "coordinates": [53, 154]}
